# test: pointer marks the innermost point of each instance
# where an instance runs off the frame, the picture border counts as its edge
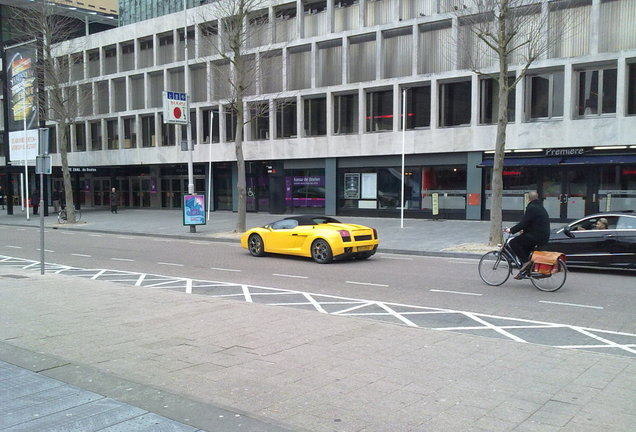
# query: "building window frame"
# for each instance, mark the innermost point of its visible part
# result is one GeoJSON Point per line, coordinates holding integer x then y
{"type": "Point", "coordinates": [418, 107]}
{"type": "Point", "coordinates": [379, 110]}
{"type": "Point", "coordinates": [489, 102]}
{"type": "Point", "coordinates": [544, 100]}
{"type": "Point", "coordinates": [286, 118]}
{"type": "Point", "coordinates": [345, 114]}
{"type": "Point", "coordinates": [453, 110]}
{"type": "Point", "coordinates": [315, 116]}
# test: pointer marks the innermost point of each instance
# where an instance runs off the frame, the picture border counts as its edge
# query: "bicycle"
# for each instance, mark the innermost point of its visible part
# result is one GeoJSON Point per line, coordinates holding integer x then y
{"type": "Point", "coordinates": [62, 217]}
{"type": "Point", "coordinates": [495, 267]}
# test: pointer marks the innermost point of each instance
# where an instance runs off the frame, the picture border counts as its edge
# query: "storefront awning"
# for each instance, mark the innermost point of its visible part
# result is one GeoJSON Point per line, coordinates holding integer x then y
{"type": "Point", "coordinates": [572, 160]}
{"type": "Point", "coordinates": [536, 161]}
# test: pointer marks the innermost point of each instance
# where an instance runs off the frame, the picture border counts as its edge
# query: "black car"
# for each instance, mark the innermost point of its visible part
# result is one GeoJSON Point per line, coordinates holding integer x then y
{"type": "Point", "coordinates": [605, 240]}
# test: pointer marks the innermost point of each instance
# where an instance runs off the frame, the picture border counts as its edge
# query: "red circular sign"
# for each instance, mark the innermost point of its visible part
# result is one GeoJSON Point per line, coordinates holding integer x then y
{"type": "Point", "coordinates": [177, 112]}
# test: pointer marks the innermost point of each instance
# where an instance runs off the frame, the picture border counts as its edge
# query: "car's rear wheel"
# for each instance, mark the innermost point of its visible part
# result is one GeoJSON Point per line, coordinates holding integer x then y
{"type": "Point", "coordinates": [255, 245]}
{"type": "Point", "coordinates": [321, 252]}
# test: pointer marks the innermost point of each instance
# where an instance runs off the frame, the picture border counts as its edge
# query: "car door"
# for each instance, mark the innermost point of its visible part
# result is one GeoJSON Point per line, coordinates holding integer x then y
{"type": "Point", "coordinates": [281, 238]}
{"type": "Point", "coordinates": [588, 246]}
{"type": "Point", "coordinates": [625, 242]}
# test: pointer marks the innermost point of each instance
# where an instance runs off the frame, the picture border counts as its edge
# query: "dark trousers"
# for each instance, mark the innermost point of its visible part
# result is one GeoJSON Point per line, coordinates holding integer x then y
{"type": "Point", "coordinates": [522, 245]}
{"type": "Point", "coordinates": [113, 208]}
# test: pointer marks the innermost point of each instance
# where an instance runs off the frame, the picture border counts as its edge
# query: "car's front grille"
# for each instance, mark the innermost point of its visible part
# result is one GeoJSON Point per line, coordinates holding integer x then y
{"type": "Point", "coordinates": [363, 237]}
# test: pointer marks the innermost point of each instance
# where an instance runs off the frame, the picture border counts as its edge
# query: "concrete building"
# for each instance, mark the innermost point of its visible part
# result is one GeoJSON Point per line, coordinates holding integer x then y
{"type": "Point", "coordinates": [326, 134]}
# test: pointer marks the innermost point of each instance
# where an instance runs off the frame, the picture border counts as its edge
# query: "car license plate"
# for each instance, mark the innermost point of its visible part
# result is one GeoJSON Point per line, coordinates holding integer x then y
{"type": "Point", "coordinates": [364, 248]}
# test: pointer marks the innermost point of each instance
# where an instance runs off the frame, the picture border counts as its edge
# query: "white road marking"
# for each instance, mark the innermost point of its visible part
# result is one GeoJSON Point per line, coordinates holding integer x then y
{"type": "Point", "coordinates": [366, 283]}
{"type": "Point", "coordinates": [571, 304]}
{"type": "Point", "coordinates": [126, 238]}
{"type": "Point", "coordinates": [13, 247]}
{"type": "Point", "coordinates": [290, 276]}
{"type": "Point", "coordinates": [224, 269]}
{"type": "Point", "coordinates": [170, 264]}
{"type": "Point", "coordinates": [397, 258]}
{"type": "Point", "coordinates": [462, 261]}
{"type": "Point", "coordinates": [456, 292]}
{"type": "Point", "coordinates": [197, 242]}
{"type": "Point", "coordinates": [122, 259]}
{"type": "Point", "coordinates": [82, 255]}
{"type": "Point", "coordinates": [45, 250]}
{"type": "Point", "coordinates": [95, 235]}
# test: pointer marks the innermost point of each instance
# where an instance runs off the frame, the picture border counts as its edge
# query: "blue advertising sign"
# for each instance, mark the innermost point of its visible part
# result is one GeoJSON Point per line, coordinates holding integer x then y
{"type": "Point", "coordinates": [194, 210]}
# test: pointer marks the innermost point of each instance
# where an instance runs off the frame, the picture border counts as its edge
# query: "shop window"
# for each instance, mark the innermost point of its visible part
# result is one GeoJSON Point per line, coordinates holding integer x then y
{"type": "Point", "coordinates": [379, 111]}
{"type": "Point", "coordinates": [286, 119]}
{"type": "Point", "coordinates": [616, 188]}
{"type": "Point", "coordinates": [315, 116]}
{"type": "Point", "coordinates": [455, 104]}
{"type": "Point", "coordinates": [214, 113]}
{"type": "Point", "coordinates": [148, 131]}
{"type": "Point", "coordinates": [230, 123]}
{"type": "Point", "coordinates": [80, 137]}
{"type": "Point", "coordinates": [489, 97]}
{"type": "Point", "coordinates": [345, 117]}
{"type": "Point", "coordinates": [168, 137]}
{"type": "Point", "coordinates": [544, 95]}
{"type": "Point", "coordinates": [631, 89]}
{"type": "Point", "coordinates": [96, 135]}
{"type": "Point", "coordinates": [447, 185]}
{"type": "Point", "coordinates": [130, 133]}
{"type": "Point", "coordinates": [259, 121]}
{"type": "Point", "coordinates": [305, 189]}
{"type": "Point", "coordinates": [517, 181]}
{"type": "Point", "coordinates": [597, 92]}
{"type": "Point", "coordinates": [418, 107]}
{"type": "Point", "coordinates": [112, 135]}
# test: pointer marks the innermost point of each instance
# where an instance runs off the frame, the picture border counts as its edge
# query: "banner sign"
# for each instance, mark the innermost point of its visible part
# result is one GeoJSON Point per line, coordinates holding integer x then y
{"type": "Point", "coordinates": [18, 140]}
{"type": "Point", "coordinates": [175, 107]}
{"type": "Point", "coordinates": [194, 210]}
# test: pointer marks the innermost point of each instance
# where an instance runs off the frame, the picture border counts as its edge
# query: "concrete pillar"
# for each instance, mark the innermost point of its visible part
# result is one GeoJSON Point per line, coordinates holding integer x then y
{"type": "Point", "coordinates": [331, 181]}
{"type": "Point", "coordinates": [474, 194]}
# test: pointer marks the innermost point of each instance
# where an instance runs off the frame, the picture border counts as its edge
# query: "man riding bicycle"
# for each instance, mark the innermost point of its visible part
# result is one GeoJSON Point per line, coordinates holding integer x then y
{"type": "Point", "coordinates": [535, 228]}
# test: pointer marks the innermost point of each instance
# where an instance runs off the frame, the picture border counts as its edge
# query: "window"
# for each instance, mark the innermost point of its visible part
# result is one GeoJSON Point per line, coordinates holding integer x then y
{"type": "Point", "coordinates": [544, 95]}
{"type": "Point", "coordinates": [315, 116]}
{"type": "Point", "coordinates": [345, 114]}
{"type": "Point", "coordinates": [259, 123]}
{"type": "Point", "coordinates": [206, 113]}
{"type": "Point", "coordinates": [148, 131]}
{"type": "Point", "coordinates": [380, 111]}
{"type": "Point", "coordinates": [167, 133]}
{"type": "Point", "coordinates": [230, 123]}
{"type": "Point", "coordinates": [80, 137]}
{"type": "Point", "coordinates": [418, 107]}
{"type": "Point", "coordinates": [96, 135]}
{"type": "Point", "coordinates": [130, 133]}
{"type": "Point", "coordinates": [286, 119]}
{"type": "Point", "coordinates": [455, 104]}
{"type": "Point", "coordinates": [489, 97]}
{"type": "Point", "coordinates": [597, 92]}
{"type": "Point", "coordinates": [631, 89]}
{"type": "Point", "coordinates": [112, 135]}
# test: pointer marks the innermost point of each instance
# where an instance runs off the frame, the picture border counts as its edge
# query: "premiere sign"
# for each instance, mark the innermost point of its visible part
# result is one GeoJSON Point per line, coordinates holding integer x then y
{"type": "Point", "coordinates": [175, 107]}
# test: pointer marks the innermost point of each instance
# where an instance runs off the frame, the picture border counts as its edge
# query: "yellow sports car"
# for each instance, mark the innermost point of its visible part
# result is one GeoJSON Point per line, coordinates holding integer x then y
{"type": "Point", "coordinates": [320, 237]}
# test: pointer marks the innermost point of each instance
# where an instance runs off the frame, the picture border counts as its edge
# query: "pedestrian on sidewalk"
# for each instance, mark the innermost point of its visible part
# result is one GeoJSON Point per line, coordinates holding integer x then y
{"type": "Point", "coordinates": [114, 200]}
{"type": "Point", "coordinates": [55, 197]}
{"type": "Point", "coordinates": [35, 201]}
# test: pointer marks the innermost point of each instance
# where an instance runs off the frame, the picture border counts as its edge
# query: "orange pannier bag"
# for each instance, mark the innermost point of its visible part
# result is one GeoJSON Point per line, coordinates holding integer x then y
{"type": "Point", "coordinates": [546, 262]}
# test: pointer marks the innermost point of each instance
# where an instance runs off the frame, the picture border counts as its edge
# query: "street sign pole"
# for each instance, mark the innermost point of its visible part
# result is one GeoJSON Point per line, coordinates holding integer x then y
{"type": "Point", "coordinates": [193, 228]}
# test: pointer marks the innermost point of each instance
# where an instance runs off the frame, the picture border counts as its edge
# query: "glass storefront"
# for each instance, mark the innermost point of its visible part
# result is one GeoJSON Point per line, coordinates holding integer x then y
{"type": "Point", "coordinates": [305, 190]}
{"type": "Point", "coordinates": [617, 188]}
{"type": "Point", "coordinates": [425, 187]}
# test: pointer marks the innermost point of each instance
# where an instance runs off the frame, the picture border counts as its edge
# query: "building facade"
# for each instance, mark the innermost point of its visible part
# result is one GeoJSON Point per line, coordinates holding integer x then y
{"type": "Point", "coordinates": [326, 109]}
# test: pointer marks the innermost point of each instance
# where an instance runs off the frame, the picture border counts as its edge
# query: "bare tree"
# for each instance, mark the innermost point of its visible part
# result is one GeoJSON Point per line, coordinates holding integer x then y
{"type": "Point", "coordinates": [507, 34]}
{"type": "Point", "coordinates": [62, 103]}
{"type": "Point", "coordinates": [237, 37]}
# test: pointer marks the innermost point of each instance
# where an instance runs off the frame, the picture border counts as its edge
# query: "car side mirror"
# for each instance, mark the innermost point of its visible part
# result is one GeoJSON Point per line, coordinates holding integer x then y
{"type": "Point", "coordinates": [268, 226]}
{"type": "Point", "coordinates": [567, 232]}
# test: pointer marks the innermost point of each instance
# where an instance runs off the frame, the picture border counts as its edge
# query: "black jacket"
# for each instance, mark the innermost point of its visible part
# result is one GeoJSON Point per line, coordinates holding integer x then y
{"type": "Point", "coordinates": [535, 223]}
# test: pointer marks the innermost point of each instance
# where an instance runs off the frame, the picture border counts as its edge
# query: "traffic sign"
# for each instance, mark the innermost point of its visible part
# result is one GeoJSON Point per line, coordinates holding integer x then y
{"type": "Point", "coordinates": [175, 107]}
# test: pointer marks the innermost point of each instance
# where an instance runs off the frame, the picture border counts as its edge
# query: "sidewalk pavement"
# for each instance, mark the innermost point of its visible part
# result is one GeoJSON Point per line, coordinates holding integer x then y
{"type": "Point", "coordinates": [223, 365]}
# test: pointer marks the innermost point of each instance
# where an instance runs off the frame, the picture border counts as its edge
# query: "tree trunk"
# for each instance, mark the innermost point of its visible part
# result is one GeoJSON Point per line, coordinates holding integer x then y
{"type": "Point", "coordinates": [68, 187]}
{"type": "Point", "coordinates": [502, 122]}
{"type": "Point", "coordinates": [240, 162]}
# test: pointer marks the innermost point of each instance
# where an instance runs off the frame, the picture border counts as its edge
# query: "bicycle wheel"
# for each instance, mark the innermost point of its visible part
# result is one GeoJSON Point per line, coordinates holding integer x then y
{"type": "Point", "coordinates": [494, 268]}
{"type": "Point", "coordinates": [61, 217]}
{"type": "Point", "coordinates": [551, 282]}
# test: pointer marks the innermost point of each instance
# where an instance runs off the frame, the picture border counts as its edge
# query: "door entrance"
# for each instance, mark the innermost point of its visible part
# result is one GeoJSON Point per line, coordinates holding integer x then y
{"type": "Point", "coordinates": [101, 192]}
{"type": "Point", "coordinates": [570, 192]}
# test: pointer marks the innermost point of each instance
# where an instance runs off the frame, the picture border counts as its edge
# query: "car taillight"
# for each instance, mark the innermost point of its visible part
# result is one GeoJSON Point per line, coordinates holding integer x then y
{"type": "Point", "coordinates": [346, 237]}
{"type": "Point", "coordinates": [375, 233]}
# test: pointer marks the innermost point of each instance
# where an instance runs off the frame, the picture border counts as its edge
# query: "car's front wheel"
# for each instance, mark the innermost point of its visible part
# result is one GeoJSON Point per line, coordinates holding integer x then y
{"type": "Point", "coordinates": [321, 252]}
{"type": "Point", "coordinates": [255, 245]}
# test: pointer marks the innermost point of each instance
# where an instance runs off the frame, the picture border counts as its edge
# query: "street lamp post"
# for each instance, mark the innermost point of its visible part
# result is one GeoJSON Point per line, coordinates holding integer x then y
{"type": "Point", "coordinates": [193, 228]}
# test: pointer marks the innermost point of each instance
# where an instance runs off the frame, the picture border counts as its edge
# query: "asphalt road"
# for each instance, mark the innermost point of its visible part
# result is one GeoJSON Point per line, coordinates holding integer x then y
{"type": "Point", "coordinates": [589, 299]}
